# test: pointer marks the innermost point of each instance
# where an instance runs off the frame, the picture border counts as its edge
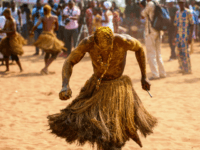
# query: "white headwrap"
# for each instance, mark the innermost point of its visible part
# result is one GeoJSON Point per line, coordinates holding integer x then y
{"type": "Point", "coordinates": [169, 1]}
{"type": "Point", "coordinates": [107, 4]}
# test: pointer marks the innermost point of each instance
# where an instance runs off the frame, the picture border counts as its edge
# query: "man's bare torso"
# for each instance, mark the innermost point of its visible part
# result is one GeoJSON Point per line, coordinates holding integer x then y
{"type": "Point", "coordinates": [120, 46]}
{"type": "Point", "coordinates": [49, 23]}
{"type": "Point", "coordinates": [9, 25]}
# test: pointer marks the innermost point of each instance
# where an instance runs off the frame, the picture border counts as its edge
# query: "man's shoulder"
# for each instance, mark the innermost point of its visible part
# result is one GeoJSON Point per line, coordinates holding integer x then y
{"type": "Point", "coordinates": [122, 37]}
{"type": "Point", "coordinates": [87, 41]}
{"type": "Point", "coordinates": [54, 16]}
{"type": "Point", "coordinates": [151, 3]}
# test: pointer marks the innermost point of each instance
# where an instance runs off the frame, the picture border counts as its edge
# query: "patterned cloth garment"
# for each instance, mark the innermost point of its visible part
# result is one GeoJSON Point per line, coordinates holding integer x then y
{"type": "Point", "coordinates": [183, 20]}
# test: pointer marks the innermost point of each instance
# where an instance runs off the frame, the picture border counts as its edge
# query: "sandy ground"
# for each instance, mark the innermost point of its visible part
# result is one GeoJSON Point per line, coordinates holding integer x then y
{"type": "Point", "coordinates": [27, 98]}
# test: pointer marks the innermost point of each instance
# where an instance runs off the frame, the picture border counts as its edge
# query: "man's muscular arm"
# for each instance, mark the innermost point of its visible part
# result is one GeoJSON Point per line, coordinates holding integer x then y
{"type": "Point", "coordinates": [38, 23]}
{"type": "Point", "coordinates": [134, 45]}
{"type": "Point", "coordinates": [72, 59]}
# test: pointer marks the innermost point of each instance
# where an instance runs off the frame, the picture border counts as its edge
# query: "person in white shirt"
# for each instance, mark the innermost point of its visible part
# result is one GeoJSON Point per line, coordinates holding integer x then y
{"type": "Point", "coordinates": [1, 9]}
{"type": "Point", "coordinates": [2, 35]}
{"type": "Point", "coordinates": [16, 14]}
{"type": "Point", "coordinates": [107, 15]}
{"type": "Point", "coordinates": [70, 16]}
{"type": "Point", "coordinates": [152, 42]}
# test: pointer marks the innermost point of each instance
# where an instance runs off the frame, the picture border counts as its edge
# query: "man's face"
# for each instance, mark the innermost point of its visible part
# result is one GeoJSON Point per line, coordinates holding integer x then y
{"type": "Point", "coordinates": [51, 3]}
{"type": "Point", "coordinates": [104, 45]}
{"type": "Point", "coordinates": [13, 4]}
{"type": "Point", "coordinates": [6, 15]}
{"type": "Point", "coordinates": [70, 5]}
{"type": "Point", "coordinates": [181, 5]}
{"type": "Point", "coordinates": [171, 4]}
{"type": "Point", "coordinates": [39, 4]}
{"type": "Point", "coordinates": [129, 2]}
{"type": "Point", "coordinates": [193, 2]}
{"type": "Point", "coordinates": [92, 4]}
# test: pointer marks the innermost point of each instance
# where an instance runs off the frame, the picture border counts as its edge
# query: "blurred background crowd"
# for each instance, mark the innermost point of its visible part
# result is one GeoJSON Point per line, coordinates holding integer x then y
{"type": "Point", "coordinates": [121, 16]}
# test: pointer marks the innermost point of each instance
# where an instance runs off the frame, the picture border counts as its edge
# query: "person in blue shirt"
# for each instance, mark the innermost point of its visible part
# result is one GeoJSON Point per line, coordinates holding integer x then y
{"type": "Point", "coordinates": [37, 12]}
{"type": "Point", "coordinates": [54, 7]}
{"type": "Point", "coordinates": [193, 8]}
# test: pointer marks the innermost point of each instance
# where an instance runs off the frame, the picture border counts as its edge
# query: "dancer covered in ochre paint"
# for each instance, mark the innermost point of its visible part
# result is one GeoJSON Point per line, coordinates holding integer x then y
{"type": "Point", "coordinates": [107, 111]}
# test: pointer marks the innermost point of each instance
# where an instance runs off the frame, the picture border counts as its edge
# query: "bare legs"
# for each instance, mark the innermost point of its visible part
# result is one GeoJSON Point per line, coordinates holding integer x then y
{"type": "Point", "coordinates": [7, 63]}
{"type": "Point", "coordinates": [16, 58]}
{"type": "Point", "coordinates": [48, 61]}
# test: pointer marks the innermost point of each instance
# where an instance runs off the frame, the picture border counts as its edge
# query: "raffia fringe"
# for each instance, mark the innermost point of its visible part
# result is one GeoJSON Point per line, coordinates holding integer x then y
{"type": "Point", "coordinates": [49, 42]}
{"type": "Point", "coordinates": [12, 45]}
{"type": "Point", "coordinates": [109, 116]}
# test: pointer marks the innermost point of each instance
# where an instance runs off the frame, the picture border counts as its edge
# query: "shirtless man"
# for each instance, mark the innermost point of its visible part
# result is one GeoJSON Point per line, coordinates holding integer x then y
{"type": "Point", "coordinates": [48, 40]}
{"type": "Point", "coordinates": [107, 111]}
{"type": "Point", "coordinates": [12, 44]}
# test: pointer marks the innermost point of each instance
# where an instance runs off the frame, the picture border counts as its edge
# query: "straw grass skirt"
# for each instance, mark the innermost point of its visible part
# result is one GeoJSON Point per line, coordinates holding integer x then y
{"type": "Point", "coordinates": [49, 42]}
{"type": "Point", "coordinates": [12, 45]}
{"type": "Point", "coordinates": [107, 117]}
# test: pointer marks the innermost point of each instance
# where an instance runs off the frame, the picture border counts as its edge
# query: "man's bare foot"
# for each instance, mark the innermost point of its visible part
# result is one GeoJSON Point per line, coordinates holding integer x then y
{"type": "Point", "coordinates": [7, 70]}
{"type": "Point", "coordinates": [21, 70]}
{"type": "Point", "coordinates": [44, 72]}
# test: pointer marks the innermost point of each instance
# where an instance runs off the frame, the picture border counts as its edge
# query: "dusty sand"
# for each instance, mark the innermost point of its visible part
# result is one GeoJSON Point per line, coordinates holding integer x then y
{"type": "Point", "coordinates": [27, 98]}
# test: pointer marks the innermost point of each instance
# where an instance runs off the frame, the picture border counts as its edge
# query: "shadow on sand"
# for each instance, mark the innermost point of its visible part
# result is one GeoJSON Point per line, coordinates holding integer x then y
{"type": "Point", "coordinates": [15, 74]}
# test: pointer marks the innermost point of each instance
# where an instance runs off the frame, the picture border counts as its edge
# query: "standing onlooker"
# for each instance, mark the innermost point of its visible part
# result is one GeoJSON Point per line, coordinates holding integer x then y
{"type": "Point", "coordinates": [129, 15]}
{"type": "Point", "coordinates": [37, 12]}
{"type": "Point", "coordinates": [25, 15]}
{"type": "Point", "coordinates": [82, 15]}
{"type": "Point", "coordinates": [195, 13]}
{"type": "Point", "coordinates": [89, 16]}
{"type": "Point", "coordinates": [96, 19]}
{"type": "Point", "coordinates": [16, 14]}
{"type": "Point", "coordinates": [107, 15]}
{"type": "Point", "coordinates": [71, 15]}
{"type": "Point", "coordinates": [1, 9]}
{"type": "Point", "coordinates": [116, 18]}
{"type": "Point", "coordinates": [171, 31]}
{"type": "Point", "coordinates": [54, 7]}
{"type": "Point", "coordinates": [2, 35]}
{"type": "Point", "coordinates": [61, 29]}
{"type": "Point", "coordinates": [152, 42]}
{"type": "Point", "coordinates": [185, 25]}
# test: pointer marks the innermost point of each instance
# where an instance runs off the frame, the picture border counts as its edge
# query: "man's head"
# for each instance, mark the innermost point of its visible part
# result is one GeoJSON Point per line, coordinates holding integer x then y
{"type": "Point", "coordinates": [51, 3]}
{"type": "Point", "coordinates": [129, 2]}
{"type": "Point", "coordinates": [38, 4]}
{"type": "Point", "coordinates": [107, 5]}
{"type": "Point", "coordinates": [92, 4]}
{"type": "Point", "coordinates": [70, 4]}
{"type": "Point", "coordinates": [12, 4]}
{"type": "Point", "coordinates": [103, 37]}
{"type": "Point", "coordinates": [47, 10]}
{"type": "Point", "coordinates": [181, 4]}
{"type": "Point", "coordinates": [170, 3]}
{"type": "Point", "coordinates": [7, 13]}
{"type": "Point", "coordinates": [193, 2]}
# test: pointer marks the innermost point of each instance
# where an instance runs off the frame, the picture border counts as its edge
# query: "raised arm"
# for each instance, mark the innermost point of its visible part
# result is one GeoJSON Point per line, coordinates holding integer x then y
{"type": "Point", "coordinates": [134, 45]}
{"type": "Point", "coordinates": [72, 59]}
